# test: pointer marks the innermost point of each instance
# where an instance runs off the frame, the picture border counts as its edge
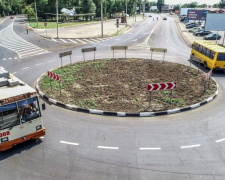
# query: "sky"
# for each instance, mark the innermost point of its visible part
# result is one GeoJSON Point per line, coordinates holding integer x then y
{"type": "Point", "coordinates": [210, 2]}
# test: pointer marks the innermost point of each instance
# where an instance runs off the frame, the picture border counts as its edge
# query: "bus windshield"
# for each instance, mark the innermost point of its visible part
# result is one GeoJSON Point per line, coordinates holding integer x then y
{"type": "Point", "coordinates": [27, 110]}
{"type": "Point", "coordinates": [221, 57]}
{"type": "Point", "coordinates": [9, 116]}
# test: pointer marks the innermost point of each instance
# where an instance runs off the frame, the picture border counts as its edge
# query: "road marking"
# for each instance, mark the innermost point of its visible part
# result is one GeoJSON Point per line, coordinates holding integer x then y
{"type": "Point", "coordinates": [25, 68]}
{"type": "Point", "coordinates": [10, 58]}
{"type": "Point", "coordinates": [107, 147]}
{"type": "Point", "coordinates": [63, 40]}
{"type": "Point", "coordinates": [88, 41]}
{"type": "Point", "coordinates": [53, 39]}
{"type": "Point", "coordinates": [70, 143]}
{"type": "Point", "coordinates": [148, 148]}
{"type": "Point", "coordinates": [51, 61]}
{"type": "Point", "coordinates": [95, 40]}
{"type": "Point", "coordinates": [14, 73]}
{"type": "Point", "coordinates": [15, 58]}
{"type": "Point", "coordinates": [4, 59]}
{"type": "Point", "coordinates": [81, 41]}
{"type": "Point", "coordinates": [220, 140]}
{"type": "Point", "coordinates": [191, 146]}
{"type": "Point", "coordinates": [38, 64]}
{"type": "Point", "coordinates": [72, 41]}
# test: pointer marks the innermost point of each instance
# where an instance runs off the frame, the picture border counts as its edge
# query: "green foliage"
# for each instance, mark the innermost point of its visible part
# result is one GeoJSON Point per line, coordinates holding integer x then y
{"type": "Point", "coordinates": [87, 103]}
{"type": "Point", "coordinates": [167, 100]}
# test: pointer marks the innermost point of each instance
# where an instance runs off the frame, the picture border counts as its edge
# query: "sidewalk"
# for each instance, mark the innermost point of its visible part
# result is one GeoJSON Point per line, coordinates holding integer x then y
{"type": "Point", "coordinates": [90, 30]}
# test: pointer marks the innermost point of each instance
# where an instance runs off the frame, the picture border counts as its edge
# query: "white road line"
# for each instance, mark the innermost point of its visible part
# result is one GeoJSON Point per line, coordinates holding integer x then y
{"type": "Point", "coordinates": [38, 64]}
{"type": "Point", "coordinates": [25, 68]}
{"type": "Point", "coordinates": [14, 73]}
{"type": "Point", "coordinates": [81, 41]}
{"type": "Point", "coordinates": [88, 41]}
{"type": "Point", "coordinates": [63, 40]}
{"type": "Point", "coordinates": [95, 40]}
{"type": "Point", "coordinates": [220, 140]}
{"type": "Point", "coordinates": [148, 148]}
{"type": "Point", "coordinates": [51, 61]}
{"type": "Point", "coordinates": [107, 147]}
{"type": "Point", "coordinates": [4, 59]}
{"type": "Point", "coordinates": [10, 58]}
{"type": "Point", "coordinates": [53, 39]}
{"type": "Point", "coordinates": [72, 41]}
{"type": "Point", "coordinates": [70, 143]}
{"type": "Point", "coordinates": [191, 146]}
{"type": "Point", "coordinates": [15, 58]}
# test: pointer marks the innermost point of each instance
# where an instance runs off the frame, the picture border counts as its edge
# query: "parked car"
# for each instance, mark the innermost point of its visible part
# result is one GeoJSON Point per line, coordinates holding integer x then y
{"type": "Point", "coordinates": [212, 36]}
{"type": "Point", "coordinates": [194, 29]}
{"type": "Point", "coordinates": [12, 17]}
{"type": "Point", "coordinates": [191, 26]}
{"type": "Point", "coordinates": [164, 18]}
{"type": "Point", "coordinates": [202, 33]}
{"type": "Point", "coordinates": [188, 24]}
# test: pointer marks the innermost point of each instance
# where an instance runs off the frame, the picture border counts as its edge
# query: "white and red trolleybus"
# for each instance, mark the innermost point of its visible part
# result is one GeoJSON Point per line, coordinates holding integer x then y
{"type": "Point", "coordinates": [20, 115]}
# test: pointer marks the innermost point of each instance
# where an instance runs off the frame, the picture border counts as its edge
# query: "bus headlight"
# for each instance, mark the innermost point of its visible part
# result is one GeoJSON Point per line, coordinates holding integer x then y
{"type": "Point", "coordinates": [38, 127]}
{"type": "Point", "coordinates": [4, 139]}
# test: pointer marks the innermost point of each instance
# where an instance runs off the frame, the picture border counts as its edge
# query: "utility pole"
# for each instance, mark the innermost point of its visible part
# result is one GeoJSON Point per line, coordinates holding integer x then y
{"type": "Point", "coordinates": [143, 9]}
{"type": "Point", "coordinates": [36, 12]}
{"type": "Point", "coordinates": [126, 13]}
{"type": "Point", "coordinates": [57, 19]}
{"type": "Point", "coordinates": [102, 17]}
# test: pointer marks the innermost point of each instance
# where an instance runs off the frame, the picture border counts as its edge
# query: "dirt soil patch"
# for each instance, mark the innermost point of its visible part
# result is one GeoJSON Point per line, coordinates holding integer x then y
{"type": "Point", "coordinates": [120, 85]}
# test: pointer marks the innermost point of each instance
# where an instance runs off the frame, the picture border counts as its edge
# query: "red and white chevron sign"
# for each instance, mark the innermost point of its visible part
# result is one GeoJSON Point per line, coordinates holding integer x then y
{"type": "Point", "coordinates": [161, 86]}
{"type": "Point", "coordinates": [54, 76]}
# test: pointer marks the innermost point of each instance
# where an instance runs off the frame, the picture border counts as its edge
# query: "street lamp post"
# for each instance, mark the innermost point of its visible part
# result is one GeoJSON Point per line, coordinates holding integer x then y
{"type": "Point", "coordinates": [126, 13]}
{"type": "Point", "coordinates": [36, 12]}
{"type": "Point", "coordinates": [57, 18]}
{"type": "Point", "coordinates": [102, 17]}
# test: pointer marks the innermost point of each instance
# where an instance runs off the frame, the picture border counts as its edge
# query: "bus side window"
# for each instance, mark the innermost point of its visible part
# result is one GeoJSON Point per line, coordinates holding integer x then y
{"type": "Point", "coordinates": [212, 54]}
{"type": "Point", "coordinates": [200, 49]}
{"type": "Point", "coordinates": [208, 53]}
{"type": "Point", "coordinates": [204, 50]}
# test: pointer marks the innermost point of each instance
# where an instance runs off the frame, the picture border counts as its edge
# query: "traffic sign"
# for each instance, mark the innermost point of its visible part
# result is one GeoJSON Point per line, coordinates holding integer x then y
{"type": "Point", "coordinates": [54, 76]}
{"type": "Point", "coordinates": [161, 86]}
{"type": "Point", "coordinates": [45, 24]}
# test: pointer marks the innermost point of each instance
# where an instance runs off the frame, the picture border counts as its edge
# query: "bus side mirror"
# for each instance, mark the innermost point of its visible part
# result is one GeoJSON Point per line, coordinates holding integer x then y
{"type": "Point", "coordinates": [192, 45]}
{"type": "Point", "coordinates": [43, 106]}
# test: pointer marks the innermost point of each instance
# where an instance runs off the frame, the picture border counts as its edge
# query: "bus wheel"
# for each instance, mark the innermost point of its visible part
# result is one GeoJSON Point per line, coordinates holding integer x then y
{"type": "Point", "coordinates": [205, 65]}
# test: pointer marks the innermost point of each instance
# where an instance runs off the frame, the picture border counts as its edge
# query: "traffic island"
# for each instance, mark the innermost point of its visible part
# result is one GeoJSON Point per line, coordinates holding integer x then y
{"type": "Point", "coordinates": [127, 87]}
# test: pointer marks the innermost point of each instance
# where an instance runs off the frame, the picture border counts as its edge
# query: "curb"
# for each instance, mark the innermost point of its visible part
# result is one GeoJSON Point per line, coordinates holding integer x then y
{"type": "Point", "coordinates": [183, 37]}
{"type": "Point", "coordinates": [124, 114]}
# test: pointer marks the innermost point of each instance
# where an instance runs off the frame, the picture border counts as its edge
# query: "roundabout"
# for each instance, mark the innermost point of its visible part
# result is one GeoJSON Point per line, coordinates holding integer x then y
{"type": "Point", "coordinates": [187, 145]}
{"type": "Point", "coordinates": [118, 87]}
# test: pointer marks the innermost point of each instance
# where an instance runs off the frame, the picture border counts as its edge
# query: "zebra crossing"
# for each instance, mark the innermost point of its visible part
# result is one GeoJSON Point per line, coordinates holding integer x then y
{"type": "Point", "coordinates": [10, 40]}
{"type": "Point", "coordinates": [79, 40]}
{"type": "Point", "coordinates": [141, 46]}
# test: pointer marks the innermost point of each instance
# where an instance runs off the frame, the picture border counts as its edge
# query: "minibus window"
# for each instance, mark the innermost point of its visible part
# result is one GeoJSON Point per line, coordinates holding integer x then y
{"type": "Point", "coordinates": [212, 54]}
{"type": "Point", "coordinates": [221, 57]}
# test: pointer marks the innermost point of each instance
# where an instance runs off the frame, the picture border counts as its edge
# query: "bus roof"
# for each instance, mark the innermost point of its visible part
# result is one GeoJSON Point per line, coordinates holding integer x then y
{"type": "Point", "coordinates": [13, 89]}
{"type": "Point", "coordinates": [211, 45]}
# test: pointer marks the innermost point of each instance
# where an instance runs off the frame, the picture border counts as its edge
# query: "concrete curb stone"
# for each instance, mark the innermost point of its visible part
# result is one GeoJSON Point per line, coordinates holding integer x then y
{"type": "Point", "coordinates": [124, 114]}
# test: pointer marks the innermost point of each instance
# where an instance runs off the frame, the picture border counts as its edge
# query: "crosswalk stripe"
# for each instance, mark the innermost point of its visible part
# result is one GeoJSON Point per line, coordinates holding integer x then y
{"type": "Point", "coordinates": [81, 41]}
{"type": "Point", "coordinates": [53, 39]}
{"type": "Point", "coordinates": [95, 40]}
{"type": "Point", "coordinates": [63, 40]}
{"type": "Point", "coordinates": [72, 41]}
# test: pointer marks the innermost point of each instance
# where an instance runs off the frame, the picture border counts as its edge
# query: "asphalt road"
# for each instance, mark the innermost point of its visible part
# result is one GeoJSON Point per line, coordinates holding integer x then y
{"type": "Point", "coordinates": [187, 145]}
